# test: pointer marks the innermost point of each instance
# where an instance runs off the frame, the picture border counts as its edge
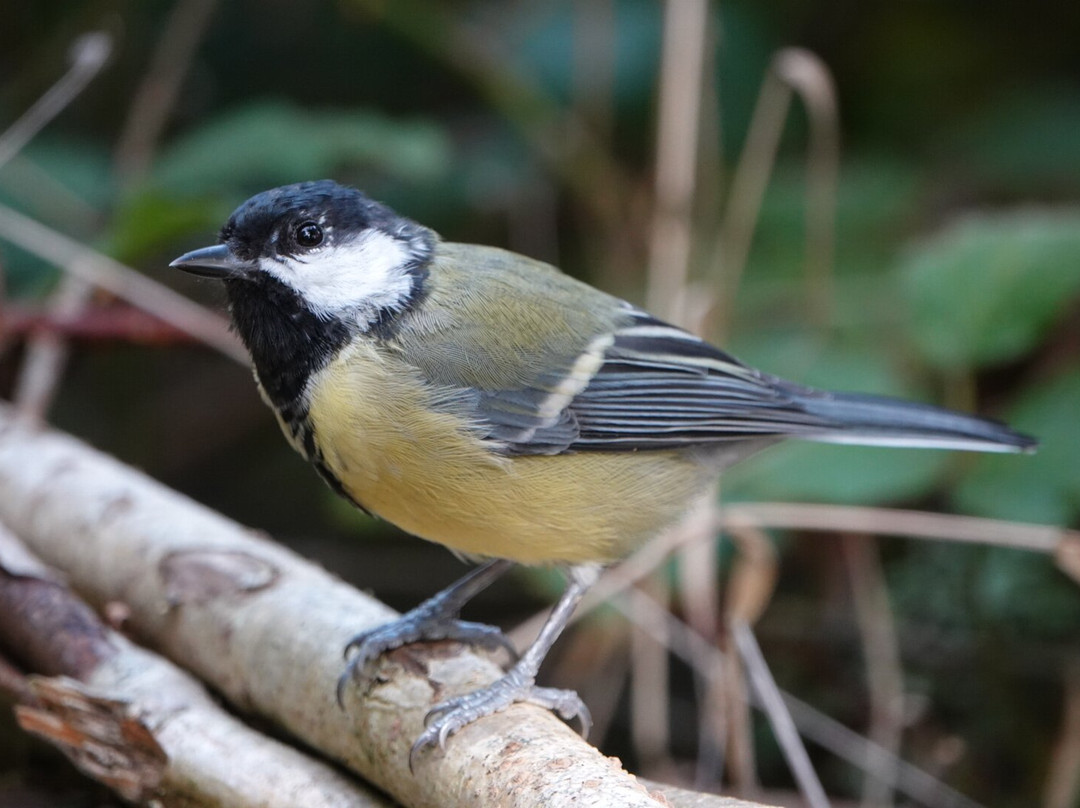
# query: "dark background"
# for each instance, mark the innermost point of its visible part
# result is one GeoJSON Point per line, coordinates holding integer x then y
{"type": "Point", "coordinates": [956, 280]}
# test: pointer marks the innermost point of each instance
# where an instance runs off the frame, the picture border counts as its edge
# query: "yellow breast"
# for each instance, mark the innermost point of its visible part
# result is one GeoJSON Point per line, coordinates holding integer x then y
{"type": "Point", "coordinates": [406, 456]}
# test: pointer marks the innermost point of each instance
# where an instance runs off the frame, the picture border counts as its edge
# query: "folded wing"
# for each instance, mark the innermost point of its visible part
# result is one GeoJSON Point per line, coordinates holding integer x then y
{"type": "Point", "coordinates": [659, 387]}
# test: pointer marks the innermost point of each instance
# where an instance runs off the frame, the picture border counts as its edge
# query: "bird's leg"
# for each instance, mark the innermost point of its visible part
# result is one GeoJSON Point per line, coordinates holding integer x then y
{"type": "Point", "coordinates": [519, 683]}
{"type": "Point", "coordinates": [434, 619]}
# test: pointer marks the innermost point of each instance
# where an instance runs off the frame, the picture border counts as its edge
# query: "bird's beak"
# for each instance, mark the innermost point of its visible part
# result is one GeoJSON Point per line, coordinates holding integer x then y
{"type": "Point", "coordinates": [213, 262]}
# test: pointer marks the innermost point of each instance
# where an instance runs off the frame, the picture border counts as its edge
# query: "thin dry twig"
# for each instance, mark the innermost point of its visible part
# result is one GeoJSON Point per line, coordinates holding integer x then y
{"type": "Point", "coordinates": [738, 729]}
{"type": "Point", "coordinates": [849, 745]}
{"type": "Point", "coordinates": [701, 655]}
{"type": "Point", "coordinates": [827, 732]}
{"type": "Point", "coordinates": [1062, 543]}
{"type": "Point", "coordinates": [804, 72]}
{"type": "Point", "coordinates": [1067, 554]}
{"type": "Point", "coordinates": [1063, 775]}
{"type": "Point", "coordinates": [698, 592]}
{"type": "Point", "coordinates": [678, 121]}
{"type": "Point", "coordinates": [123, 282]}
{"type": "Point", "coordinates": [698, 566]}
{"type": "Point", "coordinates": [650, 692]}
{"type": "Point", "coordinates": [47, 351]}
{"type": "Point", "coordinates": [898, 522]}
{"type": "Point", "coordinates": [156, 95]}
{"type": "Point", "coordinates": [771, 700]}
{"type": "Point", "coordinates": [37, 189]}
{"type": "Point", "coordinates": [88, 55]}
{"type": "Point", "coordinates": [749, 589]}
{"type": "Point", "coordinates": [748, 183]}
{"type": "Point", "coordinates": [792, 70]}
{"type": "Point", "coordinates": [881, 656]}
{"type": "Point", "coordinates": [754, 572]}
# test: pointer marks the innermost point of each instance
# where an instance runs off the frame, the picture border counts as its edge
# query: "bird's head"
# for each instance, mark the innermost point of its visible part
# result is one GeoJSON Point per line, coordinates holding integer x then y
{"type": "Point", "coordinates": [343, 255]}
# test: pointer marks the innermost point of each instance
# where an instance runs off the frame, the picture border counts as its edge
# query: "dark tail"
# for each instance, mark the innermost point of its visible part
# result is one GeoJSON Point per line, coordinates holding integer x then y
{"type": "Point", "coordinates": [874, 420]}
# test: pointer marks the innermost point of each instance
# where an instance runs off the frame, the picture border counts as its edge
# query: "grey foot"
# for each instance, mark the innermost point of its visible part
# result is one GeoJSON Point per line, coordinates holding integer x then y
{"type": "Point", "coordinates": [451, 715]}
{"type": "Point", "coordinates": [422, 624]}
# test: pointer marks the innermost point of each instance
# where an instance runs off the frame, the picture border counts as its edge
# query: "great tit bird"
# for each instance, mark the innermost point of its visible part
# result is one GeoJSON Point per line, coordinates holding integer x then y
{"type": "Point", "coordinates": [486, 401]}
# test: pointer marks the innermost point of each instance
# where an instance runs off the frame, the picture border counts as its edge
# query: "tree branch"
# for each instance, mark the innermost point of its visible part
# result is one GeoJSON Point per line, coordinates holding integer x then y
{"type": "Point", "coordinates": [135, 722]}
{"type": "Point", "coordinates": [266, 629]}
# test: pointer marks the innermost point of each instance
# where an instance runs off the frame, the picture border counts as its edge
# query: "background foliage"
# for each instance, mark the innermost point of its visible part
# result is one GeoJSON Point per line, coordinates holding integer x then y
{"type": "Point", "coordinates": [957, 279]}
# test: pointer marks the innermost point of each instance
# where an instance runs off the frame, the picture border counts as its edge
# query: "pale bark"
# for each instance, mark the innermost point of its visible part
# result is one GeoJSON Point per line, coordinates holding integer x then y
{"type": "Point", "coordinates": [266, 628]}
{"type": "Point", "coordinates": [136, 722]}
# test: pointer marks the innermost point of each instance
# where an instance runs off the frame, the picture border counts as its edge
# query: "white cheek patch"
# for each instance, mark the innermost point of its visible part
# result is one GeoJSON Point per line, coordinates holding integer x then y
{"type": "Point", "coordinates": [364, 275]}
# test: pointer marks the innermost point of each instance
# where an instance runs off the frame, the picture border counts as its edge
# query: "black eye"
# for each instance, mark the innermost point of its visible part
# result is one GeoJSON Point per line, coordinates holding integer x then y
{"type": "Point", "coordinates": [308, 234]}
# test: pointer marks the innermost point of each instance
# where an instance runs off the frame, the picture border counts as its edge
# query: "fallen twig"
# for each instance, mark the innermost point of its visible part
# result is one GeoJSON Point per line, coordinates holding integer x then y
{"type": "Point", "coordinates": [127, 284]}
{"type": "Point", "coordinates": [267, 628]}
{"type": "Point", "coordinates": [135, 722]}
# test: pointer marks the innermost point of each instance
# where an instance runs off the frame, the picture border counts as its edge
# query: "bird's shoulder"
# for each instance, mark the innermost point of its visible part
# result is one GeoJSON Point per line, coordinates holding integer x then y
{"type": "Point", "coordinates": [494, 320]}
{"type": "Point", "coordinates": [543, 363]}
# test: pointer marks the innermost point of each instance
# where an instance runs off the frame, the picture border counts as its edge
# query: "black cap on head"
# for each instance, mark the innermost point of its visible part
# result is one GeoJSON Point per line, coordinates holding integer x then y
{"type": "Point", "coordinates": [271, 222]}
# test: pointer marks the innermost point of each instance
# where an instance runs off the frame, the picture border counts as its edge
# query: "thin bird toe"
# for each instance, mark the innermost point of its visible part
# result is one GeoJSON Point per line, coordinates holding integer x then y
{"type": "Point", "coordinates": [363, 649]}
{"type": "Point", "coordinates": [489, 637]}
{"type": "Point", "coordinates": [449, 716]}
{"type": "Point", "coordinates": [565, 703]}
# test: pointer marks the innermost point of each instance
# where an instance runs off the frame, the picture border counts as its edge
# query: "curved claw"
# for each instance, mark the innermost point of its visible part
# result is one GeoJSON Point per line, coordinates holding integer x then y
{"type": "Point", "coordinates": [346, 675]}
{"type": "Point", "coordinates": [567, 705]}
{"type": "Point", "coordinates": [447, 717]}
{"type": "Point", "coordinates": [410, 628]}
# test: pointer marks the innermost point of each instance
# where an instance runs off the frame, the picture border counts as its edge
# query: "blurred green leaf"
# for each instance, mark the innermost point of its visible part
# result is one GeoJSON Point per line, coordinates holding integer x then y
{"type": "Point", "coordinates": [875, 199]}
{"type": "Point", "coordinates": [26, 275]}
{"type": "Point", "coordinates": [150, 221]}
{"type": "Point", "coordinates": [841, 474]}
{"type": "Point", "coordinates": [850, 475]}
{"type": "Point", "coordinates": [1044, 487]}
{"type": "Point", "coordinates": [858, 363]}
{"type": "Point", "coordinates": [272, 143]}
{"type": "Point", "coordinates": [74, 170]}
{"type": "Point", "coordinates": [986, 289]}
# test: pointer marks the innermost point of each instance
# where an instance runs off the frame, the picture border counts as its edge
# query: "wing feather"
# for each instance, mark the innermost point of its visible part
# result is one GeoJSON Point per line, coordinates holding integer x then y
{"type": "Point", "coordinates": [579, 370]}
{"type": "Point", "coordinates": [657, 387]}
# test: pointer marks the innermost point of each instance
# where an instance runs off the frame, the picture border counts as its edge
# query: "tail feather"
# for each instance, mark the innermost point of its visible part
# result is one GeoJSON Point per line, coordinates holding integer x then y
{"type": "Point", "coordinates": [874, 420]}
